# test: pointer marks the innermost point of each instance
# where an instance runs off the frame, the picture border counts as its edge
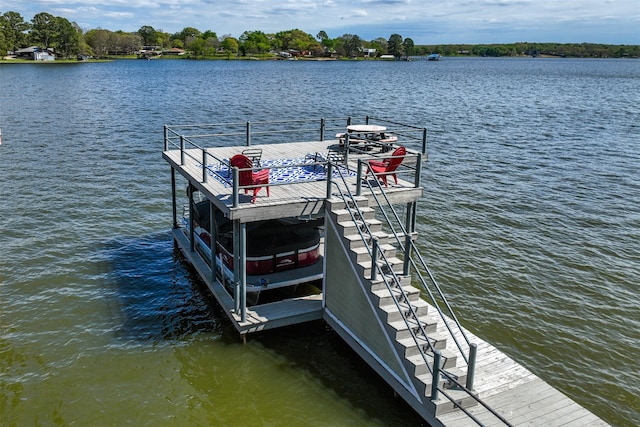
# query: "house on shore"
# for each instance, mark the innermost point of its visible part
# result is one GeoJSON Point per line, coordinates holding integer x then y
{"type": "Point", "coordinates": [36, 53]}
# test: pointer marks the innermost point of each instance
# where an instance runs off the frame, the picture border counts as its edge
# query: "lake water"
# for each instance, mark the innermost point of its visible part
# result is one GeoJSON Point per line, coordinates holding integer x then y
{"type": "Point", "coordinates": [530, 221]}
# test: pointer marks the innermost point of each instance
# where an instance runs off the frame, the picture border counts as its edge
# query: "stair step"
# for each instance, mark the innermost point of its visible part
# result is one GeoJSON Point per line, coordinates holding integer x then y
{"type": "Point", "coordinates": [349, 214]}
{"type": "Point", "coordinates": [416, 365]}
{"type": "Point", "coordinates": [355, 240]}
{"type": "Point", "coordinates": [334, 203]}
{"type": "Point", "coordinates": [379, 283]}
{"type": "Point", "coordinates": [400, 329]}
{"type": "Point", "coordinates": [386, 296]}
{"type": "Point", "coordinates": [461, 398]}
{"type": "Point", "coordinates": [350, 227]}
{"type": "Point", "coordinates": [419, 306]}
{"type": "Point", "coordinates": [438, 341]}
{"type": "Point", "coordinates": [423, 383]}
{"type": "Point", "coordinates": [460, 376]}
{"type": "Point", "coordinates": [413, 356]}
{"type": "Point", "coordinates": [362, 253]}
{"type": "Point", "coordinates": [395, 263]}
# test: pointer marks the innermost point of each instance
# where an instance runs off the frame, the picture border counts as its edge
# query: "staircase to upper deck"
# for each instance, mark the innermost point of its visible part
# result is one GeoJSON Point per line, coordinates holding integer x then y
{"type": "Point", "coordinates": [376, 289]}
{"type": "Point", "coordinates": [371, 302]}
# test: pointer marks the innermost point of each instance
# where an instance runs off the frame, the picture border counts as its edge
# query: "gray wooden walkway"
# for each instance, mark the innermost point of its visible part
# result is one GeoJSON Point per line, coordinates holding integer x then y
{"type": "Point", "coordinates": [517, 394]}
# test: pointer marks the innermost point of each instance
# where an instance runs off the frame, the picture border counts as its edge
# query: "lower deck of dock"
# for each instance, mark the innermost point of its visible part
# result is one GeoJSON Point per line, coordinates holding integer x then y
{"type": "Point", "coordinates": [518, 395]}
{"type": "Point", "coordinates": [259, 317]}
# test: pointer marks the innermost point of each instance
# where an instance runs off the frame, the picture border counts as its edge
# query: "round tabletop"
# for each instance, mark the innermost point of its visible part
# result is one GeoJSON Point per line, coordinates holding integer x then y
{"type": "Point", "coordinates": [366, 128]}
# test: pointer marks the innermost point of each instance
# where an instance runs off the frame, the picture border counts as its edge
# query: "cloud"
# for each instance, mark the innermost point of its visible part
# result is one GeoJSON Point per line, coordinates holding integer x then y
{"type": "Point", "coordinates": [437, 21]}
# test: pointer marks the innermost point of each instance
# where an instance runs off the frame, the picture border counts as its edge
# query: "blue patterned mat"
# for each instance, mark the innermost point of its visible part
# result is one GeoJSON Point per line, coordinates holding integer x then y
{"type": "Point", "coordinates": [301, 169]}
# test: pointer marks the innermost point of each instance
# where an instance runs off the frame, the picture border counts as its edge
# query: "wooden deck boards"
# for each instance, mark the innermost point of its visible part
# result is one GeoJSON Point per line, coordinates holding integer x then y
{"type": "Point", "coordinates": [292, 199]}
{"type": "Point", "coordinates": [515, 393]}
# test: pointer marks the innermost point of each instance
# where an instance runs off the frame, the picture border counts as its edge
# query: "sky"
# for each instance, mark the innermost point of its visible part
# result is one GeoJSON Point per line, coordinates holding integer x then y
{"type": "Point", "coordinates": [425, 22]}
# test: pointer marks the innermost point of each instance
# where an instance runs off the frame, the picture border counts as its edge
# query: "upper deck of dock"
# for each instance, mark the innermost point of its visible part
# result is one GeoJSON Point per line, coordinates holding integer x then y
{"type": "Point", "coordinates": [203, 160]}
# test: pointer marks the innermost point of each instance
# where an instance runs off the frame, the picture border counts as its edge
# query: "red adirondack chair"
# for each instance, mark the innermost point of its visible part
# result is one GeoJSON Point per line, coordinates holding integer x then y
{"type": "Point", "coordinates": [385, 167]}
{"type": "Point", "coordinates": [248, 176]}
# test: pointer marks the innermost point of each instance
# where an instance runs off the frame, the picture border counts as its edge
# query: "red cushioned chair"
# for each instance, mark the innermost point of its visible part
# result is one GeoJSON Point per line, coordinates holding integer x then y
{"type": "Point", "coordinates": [385, 167]}
{"type": "Point", "coordinates": [248, 176]}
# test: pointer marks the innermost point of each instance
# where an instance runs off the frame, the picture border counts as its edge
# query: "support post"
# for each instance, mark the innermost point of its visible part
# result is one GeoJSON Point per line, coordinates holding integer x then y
{"type": "Point", "coordinates": [359, 178]}
{"type": "Point", "coordinates": [424, 140]}
{"type": "Point", "coordinates": [236, 189]}
{"type": "Point", "coordinates": [329, 178]}
{"type": "Point", "coordinates": [191, 215]}
{"type": "Point", "coordinates": [204, 165]}
{"type": "Point", "coordinates": [174, 203]}
{"type": "Point", "coordinates": [471, 369]}
{"type": "Point", "coordinates": [181, 150]}
{"type": "Point", "coordinates": [322, 125]}
{"type": "Point", "coordinates": [374, 258]}
{"type": "Point", "coordinates": [248, 134]}
{"type": "Point", "coordinates": [213, 234]}
{"type": "Point", "coordinates": [243, 272]}
{"type": "Point", "coordinates": [409, 227]}
{"type": "Point", "coordinates": [418, 172]}
{"type": "Point", "coordinates": [166, 138]}
{"type": "Point", "coordinates": [346, 149]}
{"type": "Point", "coordinates": [236, 265]}
{"type": "Point", "coordinates": [436, 374]}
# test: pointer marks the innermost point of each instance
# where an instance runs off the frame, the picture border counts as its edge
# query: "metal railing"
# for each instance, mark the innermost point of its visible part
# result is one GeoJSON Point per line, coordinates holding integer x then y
{"type": "Point", "coordinates": [269, 132]}
{"type": "Point", "coordinates": [201, 137]}
{"type": "Point", "coordinates": [382, 268]}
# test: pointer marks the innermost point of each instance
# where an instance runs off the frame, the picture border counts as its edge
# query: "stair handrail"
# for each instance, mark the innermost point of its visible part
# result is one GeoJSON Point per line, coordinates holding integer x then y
{"type": "Point", "coordinates": [424, 355]}
{"type": "Point", "coordinates": [380, 268]}
{"type": "Point", "coordinates": [449, 377]}
{"type": "Point", "coordinates": [415, 250]}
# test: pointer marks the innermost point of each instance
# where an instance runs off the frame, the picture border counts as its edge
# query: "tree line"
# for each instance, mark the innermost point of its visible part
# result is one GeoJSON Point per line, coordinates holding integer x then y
{"type": "Point", "coordinates": [68, 40]}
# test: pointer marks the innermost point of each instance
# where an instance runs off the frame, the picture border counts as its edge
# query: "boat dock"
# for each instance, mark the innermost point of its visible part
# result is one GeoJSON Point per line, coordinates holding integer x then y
{"type": "Point", "coordinates": [365, 277]}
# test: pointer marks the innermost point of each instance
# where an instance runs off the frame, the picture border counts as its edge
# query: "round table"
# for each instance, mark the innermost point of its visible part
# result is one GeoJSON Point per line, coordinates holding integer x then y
{"type": "Point", "coordinates": [366, 128]}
